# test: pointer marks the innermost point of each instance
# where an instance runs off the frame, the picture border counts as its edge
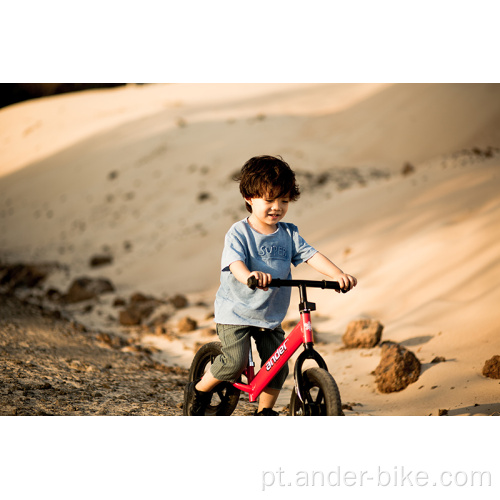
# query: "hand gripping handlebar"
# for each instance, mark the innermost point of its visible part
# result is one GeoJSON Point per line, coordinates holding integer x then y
{"type": "Point", "coordinates": [253, 283]}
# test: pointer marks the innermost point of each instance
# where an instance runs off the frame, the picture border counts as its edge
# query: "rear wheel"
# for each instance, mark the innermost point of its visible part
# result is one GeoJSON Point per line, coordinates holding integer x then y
{"type": "Point", "coordinates": [320, 393]}
{"type": "Point", "coordinates": [225, 396]}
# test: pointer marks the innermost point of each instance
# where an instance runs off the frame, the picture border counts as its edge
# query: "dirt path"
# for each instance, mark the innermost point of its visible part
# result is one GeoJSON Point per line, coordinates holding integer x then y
{"type": "Point", "coordinates": [52, 366]}
{"type": "Point", "coordinates": [49, 366]}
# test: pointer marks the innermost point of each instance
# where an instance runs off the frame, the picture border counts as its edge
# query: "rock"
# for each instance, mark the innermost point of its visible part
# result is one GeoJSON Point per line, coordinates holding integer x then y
{"type": "Point", "coordinates": [363, 333]}
{"type": "Point", "coordinates": [179, 301]}
{"type": "Point", "coordinates": [491, 368]}
{"type": "Point", "coordinates": [159, 321]}
{"type": "Point", "coordinates": [138, 297]}
{"type": "Point", "coordinates": [140, 307]}
{"type": "Point", "coordinates": [87, 288]}
{"type": "Point", "coordinates": [100, 260]}
{"type": "Point", "coordinates": [130, 317]}
{"type": "Point", "coordinates": [104, 337]}
{"type": "Point", "coordinates": [407, 169]}
{"type": "Point", "coordinates": [438, 359]}
{"type": "Point", "coordinates": [397, 369]}
{"type": "Point", "coordinates": [119, 302]}
{"type": "Point", "coordinates": [22, 275]}
{"type": "Point", "coordinates": [187, 324]}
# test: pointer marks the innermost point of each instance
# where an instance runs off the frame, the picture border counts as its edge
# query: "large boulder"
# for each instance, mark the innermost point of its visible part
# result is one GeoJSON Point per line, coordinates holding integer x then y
{"type": "Point", "coordinates": [363, 333]}
{"type": "Point", "coordinates": [398, 368]}
{"type": "Point", "coordinates": [491, 368]}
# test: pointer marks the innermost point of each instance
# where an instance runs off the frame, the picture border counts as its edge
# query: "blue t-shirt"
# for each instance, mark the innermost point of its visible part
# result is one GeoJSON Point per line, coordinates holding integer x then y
{"type": "Point", "coordinates": [235, 303]}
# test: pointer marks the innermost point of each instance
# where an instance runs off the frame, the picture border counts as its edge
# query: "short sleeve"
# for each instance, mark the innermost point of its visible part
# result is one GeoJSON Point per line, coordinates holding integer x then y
{"type": "Point", "coordinates": [302, 251]}
{"type": "Point", "coordinates": [234, 249]}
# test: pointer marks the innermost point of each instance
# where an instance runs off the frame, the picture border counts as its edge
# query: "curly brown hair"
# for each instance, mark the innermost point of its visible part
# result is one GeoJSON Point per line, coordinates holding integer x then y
{"type": "Point", "coordinates": [269, 176]}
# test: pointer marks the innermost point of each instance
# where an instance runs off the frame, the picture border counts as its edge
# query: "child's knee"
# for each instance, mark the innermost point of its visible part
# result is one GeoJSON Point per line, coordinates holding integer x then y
{"type": "Point", "coordinates": [229, 367]}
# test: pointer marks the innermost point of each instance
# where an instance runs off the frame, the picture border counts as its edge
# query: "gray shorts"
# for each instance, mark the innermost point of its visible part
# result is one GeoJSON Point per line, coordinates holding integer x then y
{"type": "Point", "coordinates": [235, 340]}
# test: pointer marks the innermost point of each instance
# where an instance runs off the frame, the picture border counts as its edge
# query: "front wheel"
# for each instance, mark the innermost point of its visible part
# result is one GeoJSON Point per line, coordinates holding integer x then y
{"type": "Point", "coordinates": [225, 396]}
{"type": "Point", "coordinates": [321, 395]}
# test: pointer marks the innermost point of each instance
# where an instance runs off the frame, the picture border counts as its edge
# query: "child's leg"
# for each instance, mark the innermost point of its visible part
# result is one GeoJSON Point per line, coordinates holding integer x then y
{"type": "Point", "coordinates": [268, 398]}
{"type": "Point", "coordinates": [229, 365]}
{"type": "Point", "coordinates": [267, 342]}
{"type": "Point", "coordinates": [207, 383]}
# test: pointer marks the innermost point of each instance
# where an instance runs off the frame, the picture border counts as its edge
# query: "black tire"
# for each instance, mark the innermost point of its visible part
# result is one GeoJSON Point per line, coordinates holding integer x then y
{"type": "Point", "coordinates": [320, 393]}
{"type": "Point", "coordinates": [225, 396]}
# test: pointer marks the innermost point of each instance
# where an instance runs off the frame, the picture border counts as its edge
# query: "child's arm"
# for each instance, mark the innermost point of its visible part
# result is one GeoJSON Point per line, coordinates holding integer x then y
{"type": "Point", "coordinates": [325, 266]}
{"type": "Point", "coordinates": [241, 273]}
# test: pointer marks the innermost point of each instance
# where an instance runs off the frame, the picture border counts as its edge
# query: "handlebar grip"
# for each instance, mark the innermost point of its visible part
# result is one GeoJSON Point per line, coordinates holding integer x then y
{"type": "Point", "coordinates": [332, 285]}
{"type": "Point", "coordinates": [252, 282]}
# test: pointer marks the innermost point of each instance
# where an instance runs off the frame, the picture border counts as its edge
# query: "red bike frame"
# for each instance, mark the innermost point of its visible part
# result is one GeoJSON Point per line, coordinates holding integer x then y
{"type": "Point", "coordinates": [301, 334]}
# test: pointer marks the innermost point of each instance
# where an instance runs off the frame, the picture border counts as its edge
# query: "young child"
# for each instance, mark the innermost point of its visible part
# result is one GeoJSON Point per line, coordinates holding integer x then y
{"type": "Point", "coordinates": [261, 246]}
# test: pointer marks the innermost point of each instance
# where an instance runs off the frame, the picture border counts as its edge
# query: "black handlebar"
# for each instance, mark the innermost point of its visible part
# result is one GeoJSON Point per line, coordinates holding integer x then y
{"type": "Point", "coordinates": [252, 283]}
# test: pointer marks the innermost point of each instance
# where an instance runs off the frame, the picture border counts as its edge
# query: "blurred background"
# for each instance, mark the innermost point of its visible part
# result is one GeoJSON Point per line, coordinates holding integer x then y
{"type": "Point", "coordinates": [10, 93]}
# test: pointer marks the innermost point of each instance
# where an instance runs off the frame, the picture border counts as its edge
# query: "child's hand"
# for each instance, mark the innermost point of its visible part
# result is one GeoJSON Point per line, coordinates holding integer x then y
{"type": "Point", "coordinates": [263, 278]}
{"type": "Point", "coordinates": [346, 282]}
{"type": "Point", "coordinates": [325, 266]}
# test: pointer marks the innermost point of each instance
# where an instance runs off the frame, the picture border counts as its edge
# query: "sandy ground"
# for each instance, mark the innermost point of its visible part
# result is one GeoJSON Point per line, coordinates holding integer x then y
{"type": "Point", "coordinates": [52, 366]}
{"type": "Point", "coordinates": [400, 187]}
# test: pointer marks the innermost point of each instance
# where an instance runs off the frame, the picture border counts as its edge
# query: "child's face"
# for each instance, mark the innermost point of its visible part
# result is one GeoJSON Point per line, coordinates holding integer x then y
{"type": "Point", "coordinates": [267, 212]}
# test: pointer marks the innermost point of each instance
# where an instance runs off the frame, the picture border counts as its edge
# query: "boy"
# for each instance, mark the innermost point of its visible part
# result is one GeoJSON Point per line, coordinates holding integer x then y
{"type": "Point", "coordinates": [261, 246]}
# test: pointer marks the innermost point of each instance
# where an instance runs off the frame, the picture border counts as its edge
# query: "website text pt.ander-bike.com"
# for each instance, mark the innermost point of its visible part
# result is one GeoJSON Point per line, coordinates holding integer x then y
{"type": "Point", "coordinates": [380, 477]}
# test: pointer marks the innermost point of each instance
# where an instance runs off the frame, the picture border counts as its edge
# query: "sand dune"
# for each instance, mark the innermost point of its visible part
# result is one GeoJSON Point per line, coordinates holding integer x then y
{"type": "Point", "coordinates": [144, 174]}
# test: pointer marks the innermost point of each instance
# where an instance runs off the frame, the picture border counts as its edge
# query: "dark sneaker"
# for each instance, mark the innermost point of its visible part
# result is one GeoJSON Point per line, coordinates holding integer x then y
{"type": "Point", "coordinates": [266, 412]}
{"type": "Point", "coordinates": [195, 402]}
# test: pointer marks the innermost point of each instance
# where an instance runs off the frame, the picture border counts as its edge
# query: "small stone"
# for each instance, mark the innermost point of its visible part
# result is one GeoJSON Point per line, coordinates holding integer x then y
{"type": "Point", "coordinates": [438, 359]}
{"type": "Point", "coordinates": [179, 301]}
{"type": "Point", "coordinates": [187, 324]}
{"type": "Point", "coordinates": [407, 169]}
{"type": "Point", "coordinates": [138, 297]}
{"type": "Point", "coordinates": [100, 260]}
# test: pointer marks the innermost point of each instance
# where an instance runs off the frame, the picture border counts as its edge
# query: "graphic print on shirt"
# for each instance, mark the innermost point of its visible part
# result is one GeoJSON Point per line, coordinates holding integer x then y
{"type": "Point", "coordinates": [273, 252]}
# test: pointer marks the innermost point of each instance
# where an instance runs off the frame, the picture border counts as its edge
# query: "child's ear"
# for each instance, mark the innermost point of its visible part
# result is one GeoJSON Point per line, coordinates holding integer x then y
{"type": "Point", "coordinates": [248, 204]}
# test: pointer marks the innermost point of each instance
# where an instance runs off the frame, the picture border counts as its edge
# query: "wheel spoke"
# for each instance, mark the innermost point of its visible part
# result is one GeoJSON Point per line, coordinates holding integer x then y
{"type": "Point", "coordinates": [319, 397]}
{"type": "Point", "coordinates": [222, 395]}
